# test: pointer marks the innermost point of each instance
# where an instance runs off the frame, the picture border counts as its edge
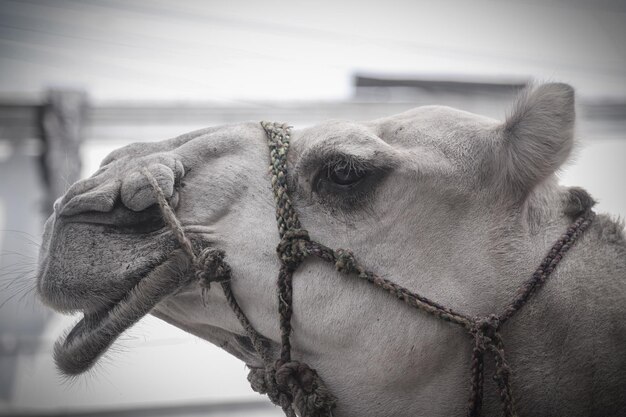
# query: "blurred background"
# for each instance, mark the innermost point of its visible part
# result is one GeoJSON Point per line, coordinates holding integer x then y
{"type": "Point", "coordinates": [81, 78]}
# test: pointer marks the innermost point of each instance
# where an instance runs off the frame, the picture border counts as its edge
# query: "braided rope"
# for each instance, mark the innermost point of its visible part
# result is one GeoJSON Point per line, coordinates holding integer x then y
{"type": "Point", "coordinates": [297, 382]}
{"type": "Point", "coordinates": [296, 245]}
{"type": "Point", "coordinates": [547, 266]}
{"type": "Point", "coordinates": [278, 135]}
{"type": "Point", "coordinates": [290, 383]}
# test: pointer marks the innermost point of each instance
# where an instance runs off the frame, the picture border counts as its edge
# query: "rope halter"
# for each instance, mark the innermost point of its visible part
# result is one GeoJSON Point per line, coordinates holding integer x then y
{"type": "Point", "coordinates": [293, 385]}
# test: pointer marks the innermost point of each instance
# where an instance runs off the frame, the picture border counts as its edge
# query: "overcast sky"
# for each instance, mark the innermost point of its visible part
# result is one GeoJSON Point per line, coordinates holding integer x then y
{"type": "Point", "coordinates": [237, 50]}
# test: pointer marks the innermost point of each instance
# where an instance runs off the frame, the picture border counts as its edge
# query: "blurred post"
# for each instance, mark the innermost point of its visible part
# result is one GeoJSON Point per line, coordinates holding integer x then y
{"type": "Point", "coordinates": [61, 121]}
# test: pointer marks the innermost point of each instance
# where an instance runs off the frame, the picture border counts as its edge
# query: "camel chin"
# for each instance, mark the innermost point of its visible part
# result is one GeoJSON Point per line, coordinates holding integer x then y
{"type": "Point", "coordinates": [457, 207]}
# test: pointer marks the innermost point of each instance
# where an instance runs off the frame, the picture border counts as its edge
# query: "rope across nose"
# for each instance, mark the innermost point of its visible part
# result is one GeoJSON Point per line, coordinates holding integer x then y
{"type": "Point", "coordinates": [209, 264]}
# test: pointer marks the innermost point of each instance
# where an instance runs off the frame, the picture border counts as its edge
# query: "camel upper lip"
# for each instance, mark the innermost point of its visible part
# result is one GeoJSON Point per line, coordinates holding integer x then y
{"type": "Point", "coordinates": [80, 349]}
{"type": "Point", "coordinates": [93, 306]}
{"type": "Point", "coordinates": [66, 290]}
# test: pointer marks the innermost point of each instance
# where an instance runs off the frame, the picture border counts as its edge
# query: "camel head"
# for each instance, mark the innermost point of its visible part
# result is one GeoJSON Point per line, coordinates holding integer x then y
{"type": "Point", "coordinates": [425, 198]}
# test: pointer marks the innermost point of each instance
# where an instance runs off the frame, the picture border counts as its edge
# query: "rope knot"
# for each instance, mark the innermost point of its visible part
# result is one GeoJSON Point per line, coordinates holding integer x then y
{"type": "Point", "coordinates": [485, 330]}
{"type": "Point", "coordinates": [345, 262]}
{"type": "Point", "coordinates": [306, 389]}
{"type": "Point", "coordinates": [211, 267]}
{"type": "Point", "coordinates": [294, 383]}
{"type": "Point", "coordinates": [293, 372]}
{"type": "Point", "coordinates": [488, 325]}
{"type": "Point", "coordinates": [256, 378]}
{"type": "Point", "coordinates": [292, 249]}
{"type": "Point", "coordinates": [263, 381]}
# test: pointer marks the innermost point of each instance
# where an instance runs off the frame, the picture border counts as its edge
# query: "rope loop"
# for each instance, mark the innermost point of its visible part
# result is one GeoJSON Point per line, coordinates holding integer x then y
{"type": "Point", "coordinates": [292, 249]}
{"type": "Point", "coordinates": [346, 263]}
{"type": "Point", "coordinates": [294, 383]}
{"type": "Point", "coordinates": [306, 389]}
{"type": "Point", "coordinates": [263, 381]}
{"type": "Point", "coordinates": [487, 326]}
{"type": "Point", "coordinates": [485, 332]}
{"type": "Point", "coordinates": [211, 267]}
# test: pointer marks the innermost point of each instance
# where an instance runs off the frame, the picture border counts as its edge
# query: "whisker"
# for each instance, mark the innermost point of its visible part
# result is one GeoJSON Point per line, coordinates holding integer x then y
{"type": "Point", "coordinates": [29, 294]}
{"type": "Point", "coordinates": [23, 291]}
{"type": "Point", "coordinates": [19, 279]}
{"type": "Point", "coordinates": [25, 235]}
{"type": "Point", "coordinates": [17, 231]}
{"type": "Point", "coordinates": [11, 297]}
{"type": "Point", "coordinates": [12, 269]}
{"type": "Point", "coordinates": [20, 254]}
{"type": "Point", "coordinates": [18, 267]}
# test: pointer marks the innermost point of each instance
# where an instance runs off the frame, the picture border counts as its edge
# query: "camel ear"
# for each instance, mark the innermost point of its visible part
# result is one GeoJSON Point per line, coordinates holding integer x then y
{"type": "Point", "coordinates": [538, 137]}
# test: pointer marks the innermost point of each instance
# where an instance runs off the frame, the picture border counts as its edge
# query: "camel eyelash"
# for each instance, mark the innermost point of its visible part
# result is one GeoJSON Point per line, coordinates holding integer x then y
{"type": "Point", "coordinates": [346, 182]}
{"type": "Point", "coordinates": [343, 172]}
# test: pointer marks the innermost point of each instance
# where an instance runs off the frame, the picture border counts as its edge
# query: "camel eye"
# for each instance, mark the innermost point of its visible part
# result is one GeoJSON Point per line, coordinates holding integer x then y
{"type": "Point", "coordinates": [345, 174]}
{"type": "Point", "coordinates": [346, 183]}
{"type": "Point", "coordinates": [342, 175]}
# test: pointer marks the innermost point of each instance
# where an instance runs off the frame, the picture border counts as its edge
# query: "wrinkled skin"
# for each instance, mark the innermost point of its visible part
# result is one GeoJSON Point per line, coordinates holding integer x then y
{"type": "Point", "coordinates": [455, 206]}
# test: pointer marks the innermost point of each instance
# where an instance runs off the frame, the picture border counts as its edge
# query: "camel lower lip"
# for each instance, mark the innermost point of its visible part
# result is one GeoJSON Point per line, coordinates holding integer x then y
{"type": "Point", "coordinates": [96, 332]}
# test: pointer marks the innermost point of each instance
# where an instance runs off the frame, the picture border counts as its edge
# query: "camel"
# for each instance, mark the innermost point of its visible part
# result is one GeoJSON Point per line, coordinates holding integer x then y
{"type": "Point", "coordinates": [454, 206]}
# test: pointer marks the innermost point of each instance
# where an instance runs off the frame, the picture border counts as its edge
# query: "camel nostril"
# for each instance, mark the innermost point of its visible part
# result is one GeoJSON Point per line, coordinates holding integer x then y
{"type": "Point", "coordinates": [98, 199]}
{"type": "Point", "coordinates": [58, 203]}
{"type": "Point", "coordinates": [136, 192]}
{"type": "Point", "coordinates": [80, 187]}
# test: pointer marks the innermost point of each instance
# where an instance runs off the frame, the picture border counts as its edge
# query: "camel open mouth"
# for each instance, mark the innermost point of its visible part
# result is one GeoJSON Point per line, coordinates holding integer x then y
{"type": "Point", "coordinates": [91, 337]}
